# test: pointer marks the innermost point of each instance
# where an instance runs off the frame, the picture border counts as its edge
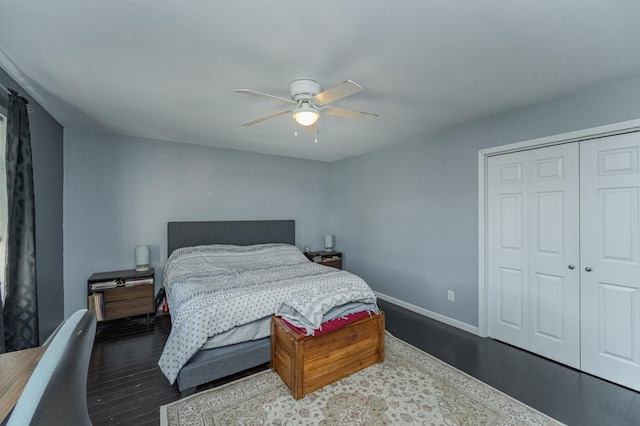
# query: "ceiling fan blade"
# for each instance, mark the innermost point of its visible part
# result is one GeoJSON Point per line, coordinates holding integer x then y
{"type": "Point", "coordinates": [339, 91]}
{"type": "Point", "coordinates": [264, 95]}
{"type": "Point", "coordinates": [266, 117]}
{"type": "Point", "coordinates": [348, 113]}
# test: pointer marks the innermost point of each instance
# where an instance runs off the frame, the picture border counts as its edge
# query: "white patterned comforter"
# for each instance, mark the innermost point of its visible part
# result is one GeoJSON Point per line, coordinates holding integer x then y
{"type": "Point", "coordinates": [213, 289]}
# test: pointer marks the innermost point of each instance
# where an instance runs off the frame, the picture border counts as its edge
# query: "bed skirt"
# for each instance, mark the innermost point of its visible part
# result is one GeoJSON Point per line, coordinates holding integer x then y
{"type": "Point", "coordinates": [212, 364]}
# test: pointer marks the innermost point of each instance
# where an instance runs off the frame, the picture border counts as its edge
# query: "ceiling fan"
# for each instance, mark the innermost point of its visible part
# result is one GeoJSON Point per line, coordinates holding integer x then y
{"type": "Point", "coordinates": [308, 100]}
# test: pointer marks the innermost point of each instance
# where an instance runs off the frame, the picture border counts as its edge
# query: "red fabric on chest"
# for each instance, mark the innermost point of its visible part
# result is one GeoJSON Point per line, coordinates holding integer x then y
{"type": "Point", "coordinates": [331, 325]}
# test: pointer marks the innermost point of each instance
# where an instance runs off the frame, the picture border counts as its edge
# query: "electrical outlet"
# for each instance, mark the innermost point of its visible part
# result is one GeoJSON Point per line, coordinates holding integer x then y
{"type": "Point", "coordinates": [451, 295]}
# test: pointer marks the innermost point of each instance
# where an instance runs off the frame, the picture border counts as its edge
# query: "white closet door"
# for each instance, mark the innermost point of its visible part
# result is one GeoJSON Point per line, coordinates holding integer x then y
{"type": "Point", "coordinates": [610, 267]}
{"type": "Point", "coordinates": [534, 287]}
{"type": "Point", "coordinates": [554, 277]}
{"type": "Point", "coordinates": [508, 266]}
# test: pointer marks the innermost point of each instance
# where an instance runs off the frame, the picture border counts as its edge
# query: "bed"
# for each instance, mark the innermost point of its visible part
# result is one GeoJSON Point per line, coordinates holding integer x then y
{"type": "Point", "coordinates": [196, 247]}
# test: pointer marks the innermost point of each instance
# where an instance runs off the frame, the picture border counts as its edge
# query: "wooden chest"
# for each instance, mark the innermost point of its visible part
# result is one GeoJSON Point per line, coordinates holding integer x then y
{"type": "Point", "coordinates": [306, 363]}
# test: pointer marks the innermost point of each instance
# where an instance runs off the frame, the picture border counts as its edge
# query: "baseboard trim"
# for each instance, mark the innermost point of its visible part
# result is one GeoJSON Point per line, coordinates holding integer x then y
{"type": "Point", "coordinates": [433, 315]}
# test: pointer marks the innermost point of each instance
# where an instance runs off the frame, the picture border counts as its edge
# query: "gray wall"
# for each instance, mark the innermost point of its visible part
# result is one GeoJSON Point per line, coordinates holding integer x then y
{"type": "Point", "coordinates": [407, 216]}
{"type": "Point", "coordinates": [120, 192]}
{"type": "Point", "coordinates": [47, 152]}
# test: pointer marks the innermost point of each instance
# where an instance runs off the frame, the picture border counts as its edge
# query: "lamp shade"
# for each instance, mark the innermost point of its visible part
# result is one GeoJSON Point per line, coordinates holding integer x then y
{"type": "Point", "coordinates": [142, 258]}
{"type": "Point", "coordinates": [328, 242]}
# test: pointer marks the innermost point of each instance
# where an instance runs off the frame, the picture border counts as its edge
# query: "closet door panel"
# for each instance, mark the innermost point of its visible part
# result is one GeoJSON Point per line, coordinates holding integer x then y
{"type": "Point", "coordinates": [549, 296]}
{"type": "Point", "coordinates": [610, 275]}
{"type": "Point", "coordinates": [511, 299]}
{"type": "Point", "coordinates": [508, 273]}
{"type": "Point", "coordinates": [554, 247]}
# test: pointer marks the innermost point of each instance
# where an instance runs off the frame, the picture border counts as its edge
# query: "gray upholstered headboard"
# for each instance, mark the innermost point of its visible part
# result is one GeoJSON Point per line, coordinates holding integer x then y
{"type": "Point", "coordinates": [242, 233]}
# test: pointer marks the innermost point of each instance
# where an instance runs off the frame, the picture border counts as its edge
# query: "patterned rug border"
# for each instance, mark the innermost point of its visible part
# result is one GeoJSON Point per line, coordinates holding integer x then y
{"type": "Point", "coordinates": [473, 379]}
{"type": "Point", "coordinates": [391, 340]}
{"type": "Point", "coordinates": [163, 408]}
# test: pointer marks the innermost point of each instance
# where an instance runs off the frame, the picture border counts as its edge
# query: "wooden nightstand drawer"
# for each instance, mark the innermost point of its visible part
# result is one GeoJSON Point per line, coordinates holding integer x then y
{"type": "Point", "coordinates": [128, 308]}
{"type": "Point", "coordinates": [125, 293]}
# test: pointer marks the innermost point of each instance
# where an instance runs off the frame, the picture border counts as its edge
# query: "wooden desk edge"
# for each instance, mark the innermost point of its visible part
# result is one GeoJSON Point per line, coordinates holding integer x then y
{"type": "Point", "coordinates": [15, 370]}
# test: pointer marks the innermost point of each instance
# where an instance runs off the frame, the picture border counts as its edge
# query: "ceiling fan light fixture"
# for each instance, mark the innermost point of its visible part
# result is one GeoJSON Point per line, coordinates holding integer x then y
{"type": "Point", "coordinates": [305, 115]}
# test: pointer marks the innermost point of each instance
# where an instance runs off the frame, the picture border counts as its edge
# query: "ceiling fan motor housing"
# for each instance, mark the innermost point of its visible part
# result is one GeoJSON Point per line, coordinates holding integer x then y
{"type": "Point", "coordinates": [304, 90]}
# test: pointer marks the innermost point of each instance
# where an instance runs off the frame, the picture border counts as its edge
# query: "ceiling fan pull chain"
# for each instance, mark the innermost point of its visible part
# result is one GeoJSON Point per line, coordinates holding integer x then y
{"type": "Point", "coordinates": [316, 140]}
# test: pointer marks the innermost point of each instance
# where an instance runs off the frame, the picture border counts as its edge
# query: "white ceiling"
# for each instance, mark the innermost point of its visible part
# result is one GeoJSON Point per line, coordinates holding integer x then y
{"type": "Point", "coordinates": [167, 69]}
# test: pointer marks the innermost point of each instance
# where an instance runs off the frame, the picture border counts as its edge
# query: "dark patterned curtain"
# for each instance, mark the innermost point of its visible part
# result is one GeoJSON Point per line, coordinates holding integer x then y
{"type": "Point", "coordinates": [21, 305]}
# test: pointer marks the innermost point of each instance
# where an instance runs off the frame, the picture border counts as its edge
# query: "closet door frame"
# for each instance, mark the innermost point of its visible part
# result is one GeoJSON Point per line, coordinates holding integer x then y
{"type": "Point", "coordinates": [483, 156]}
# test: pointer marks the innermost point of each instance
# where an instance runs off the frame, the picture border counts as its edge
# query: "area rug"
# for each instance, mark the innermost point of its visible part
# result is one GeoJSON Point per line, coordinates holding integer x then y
{"type": "Point", "coordinates": [409, 387]}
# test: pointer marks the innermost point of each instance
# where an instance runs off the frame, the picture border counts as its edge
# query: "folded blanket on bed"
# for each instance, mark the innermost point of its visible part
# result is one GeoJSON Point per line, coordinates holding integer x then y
{"type": "Point", "coordinates": [308, 312]}
{"type": "Point", "coordinates": [213, 289]}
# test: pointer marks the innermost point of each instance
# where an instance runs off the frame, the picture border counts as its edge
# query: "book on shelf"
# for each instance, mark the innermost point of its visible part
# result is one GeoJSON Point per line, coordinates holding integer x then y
{"type": "Point", "coordinates": [134, 281]}
{"type": "Point", "coordinates": [97, 286]}
{"type": "Point", "coordinates": [103, 284]}
{"type": "Point", "coordinates": [96, 305]}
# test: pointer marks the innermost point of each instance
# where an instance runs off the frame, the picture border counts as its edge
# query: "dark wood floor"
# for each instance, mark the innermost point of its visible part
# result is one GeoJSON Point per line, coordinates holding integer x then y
{"type": "Point", "coordinates": [126, 387]}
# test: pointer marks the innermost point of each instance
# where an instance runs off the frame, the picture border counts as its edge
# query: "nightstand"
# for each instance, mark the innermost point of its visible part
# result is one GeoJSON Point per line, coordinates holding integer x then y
{"type": "Point", "coordinates": [327, 258]}
{"type": "Point", "coordinates": [121, 294]}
